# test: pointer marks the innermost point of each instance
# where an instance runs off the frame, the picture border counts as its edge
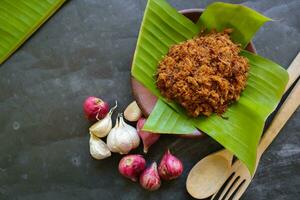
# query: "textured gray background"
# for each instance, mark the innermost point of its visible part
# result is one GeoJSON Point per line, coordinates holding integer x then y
{"type": "Point", "coordinates": [86, 49]}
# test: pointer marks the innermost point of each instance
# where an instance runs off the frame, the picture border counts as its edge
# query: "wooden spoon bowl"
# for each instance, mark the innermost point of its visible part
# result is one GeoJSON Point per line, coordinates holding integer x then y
{"type": "Point", "coordinates": [144, 98]}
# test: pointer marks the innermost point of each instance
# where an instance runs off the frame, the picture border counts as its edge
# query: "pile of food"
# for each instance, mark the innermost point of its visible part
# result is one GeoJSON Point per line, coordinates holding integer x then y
{"type": "Point", "coordinates": [204, 74]}
{"type": "Point", "coordinates": [123, 138]}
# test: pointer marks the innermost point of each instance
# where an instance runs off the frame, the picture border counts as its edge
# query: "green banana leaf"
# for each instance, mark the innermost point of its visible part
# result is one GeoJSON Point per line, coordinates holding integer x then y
{"type": "Point", "coordinates": [244, 21]}
{"type": "Point", "coordinates": [19, 19]}
{"type": "Point", "coordinates": [169, 121]}
{"type": "Point", "coordinates": [240, 132]}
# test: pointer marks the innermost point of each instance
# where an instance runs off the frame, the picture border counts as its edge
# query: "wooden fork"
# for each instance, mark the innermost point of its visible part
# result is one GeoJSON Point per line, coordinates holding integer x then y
{"type": "Point", "coordinates": [240, 177]}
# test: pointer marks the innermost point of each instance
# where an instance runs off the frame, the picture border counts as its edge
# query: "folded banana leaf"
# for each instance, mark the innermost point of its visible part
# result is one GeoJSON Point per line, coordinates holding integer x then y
{"type": "Point", "coordinates": [19, 19]}
{"type": "Point", "coordinates": [244, 21]}
{"type": "Point", "coordinates": [240, 132]}
{"type": "Point", "coordinates": [163, 119]}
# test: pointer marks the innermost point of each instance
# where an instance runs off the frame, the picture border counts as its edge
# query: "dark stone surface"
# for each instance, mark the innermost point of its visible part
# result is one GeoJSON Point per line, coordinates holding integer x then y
{"type": "Point", "coordinates": [86, 49]}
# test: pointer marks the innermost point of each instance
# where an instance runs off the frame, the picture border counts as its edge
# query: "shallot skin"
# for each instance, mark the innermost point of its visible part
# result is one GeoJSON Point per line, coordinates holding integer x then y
{"type": "Point", "coordinates": [95, 108]}
{"type": "Point", "coordinates": [131, 166]}
{"type": "Point", "coordinates": [148, 138]}
{"type": "Point", "coordinates": [150, 179]}
{"type": "Point", "coordinates": [170, 167]}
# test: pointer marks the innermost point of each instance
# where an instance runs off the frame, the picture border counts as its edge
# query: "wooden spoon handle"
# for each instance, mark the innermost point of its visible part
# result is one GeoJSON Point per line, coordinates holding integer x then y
{"type": "Point", "coordinates": [285, 112]}
{"type": "Point", "coordinates": [293, 71]}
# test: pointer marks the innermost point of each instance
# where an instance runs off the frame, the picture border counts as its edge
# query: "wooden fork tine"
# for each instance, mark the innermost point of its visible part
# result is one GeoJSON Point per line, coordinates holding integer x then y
{"type": "Point", "coordinates": [240, 192]}
{"type": "Point", "coordinates": [217, 192]}
{"type": "Point", "coordinates": [228, 185]}
{"type": "Point", "coordinates": [234, 188]}
{"type": "Point", "coordinates": [213, 197]}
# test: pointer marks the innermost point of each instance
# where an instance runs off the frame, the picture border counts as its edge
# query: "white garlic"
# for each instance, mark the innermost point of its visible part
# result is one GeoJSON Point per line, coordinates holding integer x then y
{"type": "Point", "coordinates": [98, 148]}
{"type": "Point", "coordinates": [102, 127]}
{"type": "Point", "coordinates": [123, 137]}
{"type": "Point", "coordinates": [132, 112]}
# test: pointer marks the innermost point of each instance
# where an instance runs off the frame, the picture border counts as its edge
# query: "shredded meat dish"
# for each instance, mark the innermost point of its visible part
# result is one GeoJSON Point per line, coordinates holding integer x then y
{"type": "Point", "coordinates": [204, 74]}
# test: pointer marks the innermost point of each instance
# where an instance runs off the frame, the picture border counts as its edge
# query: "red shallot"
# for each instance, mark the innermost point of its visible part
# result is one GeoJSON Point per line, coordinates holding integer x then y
{"type": "Point", "coordinates": [150, 179]}
{"type": "Point", "coordinates": [95, 108]}
{"type": "Point", "coordinates": [131, 166]}
{"type": "Point", "coordinates": [148, 138]}
{"type": "Point", "coordinates": [170, 167]}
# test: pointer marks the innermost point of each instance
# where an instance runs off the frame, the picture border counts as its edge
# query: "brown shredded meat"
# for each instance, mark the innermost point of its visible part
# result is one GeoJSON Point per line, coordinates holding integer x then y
{"type": "Point", "coordinates": [204, 74]}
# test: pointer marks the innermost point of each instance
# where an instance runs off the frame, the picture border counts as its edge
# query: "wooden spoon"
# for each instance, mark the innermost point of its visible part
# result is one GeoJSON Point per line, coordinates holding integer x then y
{"type": "Point", "coordinates": [210, 173]}
{"type": "Point", "coordinates": [240, 177]}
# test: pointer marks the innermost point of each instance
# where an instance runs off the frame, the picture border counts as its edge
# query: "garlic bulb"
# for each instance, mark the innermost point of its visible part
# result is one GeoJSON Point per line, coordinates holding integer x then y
{"type": "Point", "coordinates": [98, 148]}
{"type": "Point", "coordinates": [102, 127]}
{"type": "Point", "coordinates": [132, 113]}
{"type": "Point", "coordinates": [123, 137]}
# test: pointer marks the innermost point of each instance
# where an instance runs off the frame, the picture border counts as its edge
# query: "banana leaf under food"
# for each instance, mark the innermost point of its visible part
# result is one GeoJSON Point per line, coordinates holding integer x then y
{"type": "Point", "coordinates": [240, 132]}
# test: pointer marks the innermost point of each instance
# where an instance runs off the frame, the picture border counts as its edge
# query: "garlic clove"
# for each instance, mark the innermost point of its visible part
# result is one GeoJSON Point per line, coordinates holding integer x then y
{"type": "Point", "coordinates": [98, 148]}
{"type": "Point", "coordinates": [132, 132]}
{"type": "Point", "coordinates": [111, 138]}
{"type": "Point", "coordinates": [124, 143]}
{"type": "Point", "coordinates": [132, 113]}
{"type": "Point", "coordinates": [102, 127]}
{"type": "Point", "coordinates": [123, 137]}
{"type": "Point", "coordinates": [134, 136]}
